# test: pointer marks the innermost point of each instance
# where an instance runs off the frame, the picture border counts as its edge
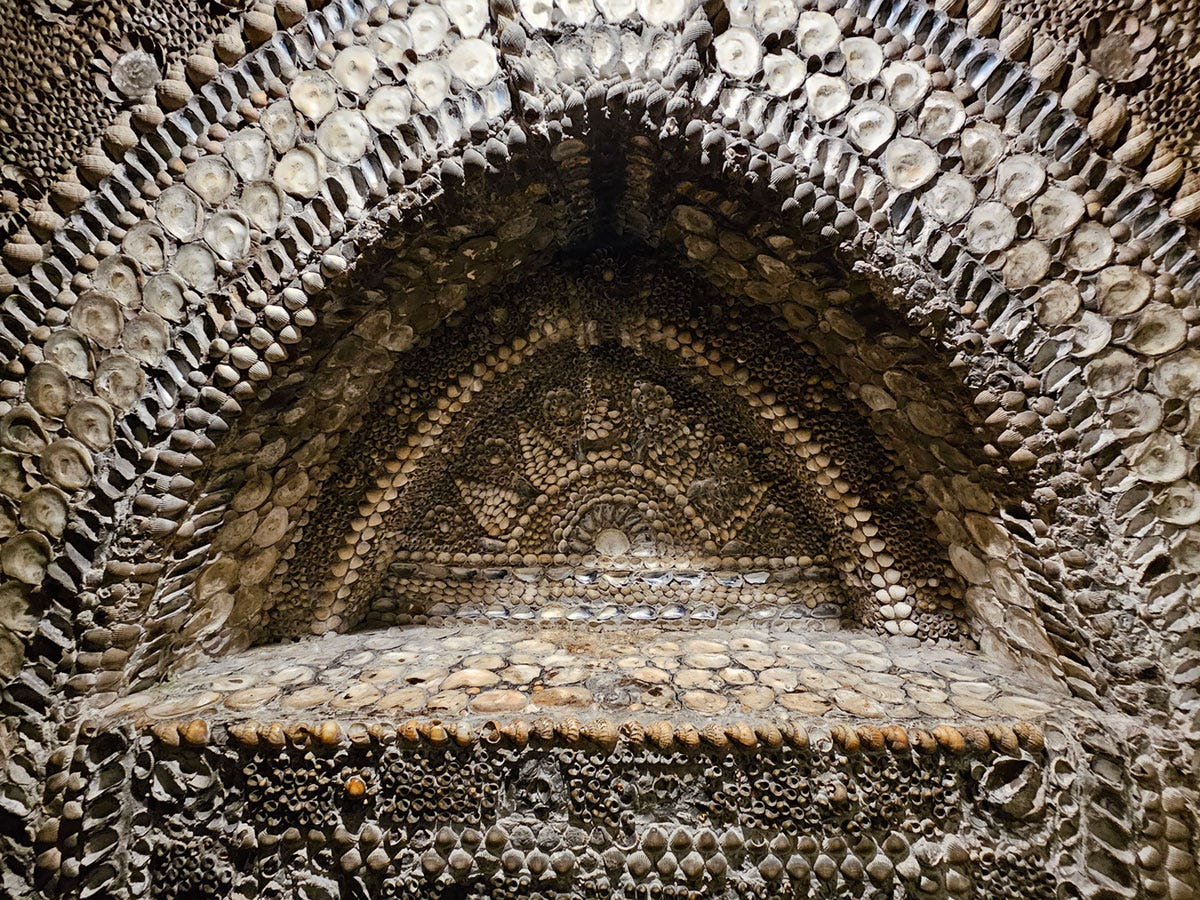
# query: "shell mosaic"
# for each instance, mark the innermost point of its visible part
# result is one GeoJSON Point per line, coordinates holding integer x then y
{"type": "Point", "coordinates": [618, 449]}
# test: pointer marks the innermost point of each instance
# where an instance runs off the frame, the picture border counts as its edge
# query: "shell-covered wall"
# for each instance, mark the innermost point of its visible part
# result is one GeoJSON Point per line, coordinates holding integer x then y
{"type": "Point", "coordinates": [643, 449]}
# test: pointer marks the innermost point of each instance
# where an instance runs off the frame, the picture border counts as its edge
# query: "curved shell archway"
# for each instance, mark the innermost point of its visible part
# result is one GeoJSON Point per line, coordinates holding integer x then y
{"type": "Point", "coordinates": [208, 269]}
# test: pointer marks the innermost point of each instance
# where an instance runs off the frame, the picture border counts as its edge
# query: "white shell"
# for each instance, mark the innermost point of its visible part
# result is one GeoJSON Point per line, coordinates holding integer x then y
{"type": "Point", "coordinates": [146, 338]}
{"type": "Point", "coordinates": [738, 52]}
{"type": "Point", "coordinates": [1111, 372]}
{"type": "Point", "coordinates": [354, 67]}
{"type": "Point", "coordinates": [120, 381]}
{"type": "Point", "coordinates": [120, 279]}
{"type": "Point", "coordinates": [300, 172]}
{"type": "Point", "coordinates": [1055, 212]}
{"type": "Point", "coordinates": [1161, 458]}
{"type": "Point", "coordinates": [1019, 178]}
{"type": "Point", "coordinates": [91, 421]}
{"type": "Point", "coordinates": [163, 295]}
{"type": "Point", "coordinates": [278, 121]}
{"type": "Point", "coordinates": [98, 316]}
{"type": "Point", "coordinates": [774, 16]}
{"type": "Point", "coordinates": [991, 227]}
{"type": "Point", "coordinates": [1159, 330]}
{"type": "Point", "coordinates": [1090, 335]}
{"type": "Point", "coordinates": [67, 463]}
{"type": "Point", "coordinates": [178, 211]}
{"type": "Point", "coordinates": [816, 33]}
{"type": "Point", "coordinates": [1180, 504]}
{"type": "Point", "coordinates": [428, 26]}
{"type": "Point", "coordinates": [783, 72]}
{"type": "Point", "coordinates": [616, 10]}
{"type": "Point", "coordinates": [942, 115]}
{"type": "Point", "coordinates": [870, 125]}
{"type": "Point", "coordinates": [864, 59]}
{"type": "Point", "coordinates": [1026, 265]}
{"type": "Point", "coordinates": [48, 389]}
{"type": "Point", "coordinates": [577, 12]}
{"type": "Point", "coordinates": [909, 163]}
{"type": "Point", "coordinates": [25, 557]}
{"type": "Point", "coordinates": [211, 179]}
{"type": "Point", "coordinates": [1177, 377]}
{"type": "Point", "coordinates": [314, 94]}
{"type": "Point", "coordinates": [1089, 248]}
{"type": "Point", "coordinates": [262, 205]}
{"type": "Point", "coordinates": [344, 135]}
{"type": "Point", "coordinates": [469, 16]}
{"type": "Point", "coordinates": [390, 42]}
{"type": "Point", "coordinates": [1057, 303]}
{"type": "Point", "coordinates": [1121, 290]}
{"type": "Point", "coordinates": [950, 198]}
{"type": "Point", "coordinates": [907, 83]}
{"type": "Point", "coordinates": [827, 96]}
{"type": "Point", "coordinates": [67, 349]}
{"type": "Point", "coordinates": [662, 13]}
{"type": "Point", "coordinates": [474, 61]}
{"type": "Point", "coordinates": [389, 107]}
{"type": "Point", "coordinates": [144, 243]}
{"type": "Point", "coordinates": [195, 265]}
{"type": "Point", "coordinates": [46, 510]}
{"type": "Point", "coordinates": [981, 146]}
{"type": "Point", "coordinates": [228, 234]}
{"type": "Point", "coordinates": [429, 83]}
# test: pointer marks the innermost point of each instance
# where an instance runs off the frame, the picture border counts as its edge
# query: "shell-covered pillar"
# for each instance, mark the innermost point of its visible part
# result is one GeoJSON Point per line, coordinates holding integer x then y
{"type": "Point", "coordinates": [612, 449]}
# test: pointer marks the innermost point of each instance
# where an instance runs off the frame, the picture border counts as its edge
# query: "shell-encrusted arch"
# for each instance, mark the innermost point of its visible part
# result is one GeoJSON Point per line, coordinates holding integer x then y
{"type": "Point", "coordinates": [180, 284]}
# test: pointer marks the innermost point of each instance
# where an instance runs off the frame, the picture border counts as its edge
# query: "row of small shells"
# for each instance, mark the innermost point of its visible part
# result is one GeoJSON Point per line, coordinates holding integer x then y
{"type": "Point", "coordinates": [990, 738]}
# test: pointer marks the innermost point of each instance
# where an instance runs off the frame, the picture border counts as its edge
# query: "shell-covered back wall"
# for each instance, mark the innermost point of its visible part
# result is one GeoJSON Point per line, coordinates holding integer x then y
{"type": "Point", "coordinates": [571, 449]}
